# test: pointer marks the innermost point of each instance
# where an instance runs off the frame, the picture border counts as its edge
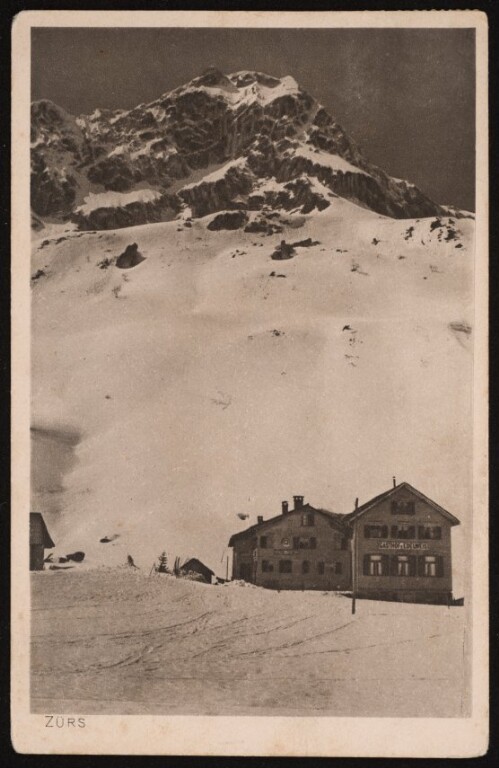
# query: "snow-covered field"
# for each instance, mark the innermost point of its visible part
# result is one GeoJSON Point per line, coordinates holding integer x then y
{"type": "Point", "coordinates": [115, 641]}
{"type": "Point", "coordinates": [210, 380]}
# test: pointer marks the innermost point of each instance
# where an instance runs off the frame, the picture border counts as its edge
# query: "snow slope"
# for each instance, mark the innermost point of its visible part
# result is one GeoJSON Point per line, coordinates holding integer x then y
{"type": "Point", "coordinates": [183, 405]}
{"type": "Point", "coordinates": [122, 643]}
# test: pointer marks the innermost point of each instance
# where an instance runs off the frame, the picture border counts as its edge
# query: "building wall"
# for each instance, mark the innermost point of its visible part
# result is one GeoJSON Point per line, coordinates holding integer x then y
{"type": "Point", "coordinates": [36, 557]}
{"type": "Point", "coordinates": [403, 578]}
{"type": "Point", "coordinates": [288, 541]}
{"type": "Point", "coordinates": [243, 562]}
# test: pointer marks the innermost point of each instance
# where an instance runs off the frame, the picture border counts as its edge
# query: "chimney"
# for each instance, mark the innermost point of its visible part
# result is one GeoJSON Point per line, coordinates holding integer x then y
{"type": "Point", "coordinates": [284, 505]}
{"type": "Point", "coordinates": [259, 519]}
{"type": "Point", "coordinates": [394, 482]}
{"type": "Point", "coordinates": [298, 500]}
{"type": "Point", "coordinates": [357, 503]}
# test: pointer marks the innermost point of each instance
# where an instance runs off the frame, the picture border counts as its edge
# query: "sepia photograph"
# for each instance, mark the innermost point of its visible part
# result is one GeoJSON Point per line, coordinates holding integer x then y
{"type": "Point", "coordinates": [254, 325]}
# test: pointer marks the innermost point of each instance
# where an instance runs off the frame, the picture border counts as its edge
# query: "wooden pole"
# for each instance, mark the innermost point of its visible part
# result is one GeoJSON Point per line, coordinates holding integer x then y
{"type": "Point", "coordinates": [354, 570]}
{"type": "Point", "coordinates": [227, 570]}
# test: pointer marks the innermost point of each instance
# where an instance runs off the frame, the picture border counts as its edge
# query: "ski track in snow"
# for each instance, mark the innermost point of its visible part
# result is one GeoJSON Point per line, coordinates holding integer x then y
{"type": "Point", "coordinates": [223, 652]}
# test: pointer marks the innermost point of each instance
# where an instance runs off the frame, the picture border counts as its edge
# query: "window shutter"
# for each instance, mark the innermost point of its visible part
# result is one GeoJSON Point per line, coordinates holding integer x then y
{"type": "Point", "coordinates": [366, 565]}
{"type": "Point", "coordinates": [296, 542]}
{"type": "Point", "coordinates": [394, 532]}
{"type": "Point", "coordinates": [440, 566]}
{"type": "Point", "coordinates": [384, 531]}
{"type": "Point", "coordinates": [393, 565]}
{"type": "Point", "coordinates": [438, 532]}
{"type": "Point", "coordinates": [313, 542]}
{"type": "Point", "coordinates": [412, 565]}
{"type": "Point", "coordinates": [411, 534]}
{"type": "Point", "coordinates": [421, 566]}
{"type": "Point", "coordinates": [394, 507]}
{"type": "Point", "coordinates": [385, 565]}
{"type": "Point", "coordinates": [367, 532]}
{"type": "Point", "coordinates": [420, 532]}
{"type": "Point", "coordinates": [411, 508]}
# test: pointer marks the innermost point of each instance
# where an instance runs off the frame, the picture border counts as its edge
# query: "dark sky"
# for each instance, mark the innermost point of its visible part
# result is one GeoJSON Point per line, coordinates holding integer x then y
{"type": "Point", "coordinates": [406, 96]}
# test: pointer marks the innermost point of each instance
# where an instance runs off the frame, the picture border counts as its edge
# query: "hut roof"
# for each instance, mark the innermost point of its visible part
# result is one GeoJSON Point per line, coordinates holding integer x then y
{"type": "Point", "coordinates": [193, 562]}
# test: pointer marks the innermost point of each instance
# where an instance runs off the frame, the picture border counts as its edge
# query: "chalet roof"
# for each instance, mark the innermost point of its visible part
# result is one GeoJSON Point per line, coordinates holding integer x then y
{"type": "Point", "coordinates": [333, 516]}
{"type": "Point", "coordinates": [352, 516]}
{"type": "Point", "coordinates": [194, 561]}
{"type": "Point", "coordinates": [38, 533]}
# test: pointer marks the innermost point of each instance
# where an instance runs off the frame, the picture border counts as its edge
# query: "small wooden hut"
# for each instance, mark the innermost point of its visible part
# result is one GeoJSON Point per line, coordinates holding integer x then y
{"type": "Point", "coordinates": [196, 566]}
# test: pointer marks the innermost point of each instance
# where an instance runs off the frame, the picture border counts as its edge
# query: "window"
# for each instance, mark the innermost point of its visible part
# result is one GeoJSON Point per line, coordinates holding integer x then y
{"type": "Point", "coordinates": [308, 519]}
{"type": "Point", "coordinates": [338, 568]}
{"type": "Point", "coordinates": [304, 542]}
{"type": "Point", "coordinates": [263, 542]}
{"type": "Point", "coordinates": [403, 565]}
{"type": "Point", "coordinates": [266, 566]}
{"type": "Point", "coordinates": [431, 565]}
{"type": "Point", "coordinates": [305, 567]}
{"type": "Point", "coordinates": [403, 531]}
{"type": "Point", "coordinates": [429, 532]}
{"type": "Point", "coordinates": [285, 566]}
{"type": "Point", "coordinates": [376, 531]}
{"type": "Point", "coordinates": [344, 543]}
{"type": "Point", "coordinates": [376, 565]}
{"type": "Point", "coordinates": [320, 568]}
{"type": "Point", "coordinates": [403, 507]}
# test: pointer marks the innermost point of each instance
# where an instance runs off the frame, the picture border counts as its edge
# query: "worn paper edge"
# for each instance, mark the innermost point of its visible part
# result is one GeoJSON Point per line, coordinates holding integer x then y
{"type": "Point", "coordinates": [216, 735]}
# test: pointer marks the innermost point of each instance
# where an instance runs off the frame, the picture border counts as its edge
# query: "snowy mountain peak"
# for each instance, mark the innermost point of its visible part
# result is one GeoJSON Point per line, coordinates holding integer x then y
{"type": "Point", "coordinates": [240, 82]}
{"type": "Point", "coordinates": [184, 145]}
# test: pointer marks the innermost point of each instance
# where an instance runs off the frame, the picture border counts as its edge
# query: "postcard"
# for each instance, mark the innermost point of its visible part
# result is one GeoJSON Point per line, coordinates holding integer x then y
{"type": "Point", "coordinates": [250, 269]}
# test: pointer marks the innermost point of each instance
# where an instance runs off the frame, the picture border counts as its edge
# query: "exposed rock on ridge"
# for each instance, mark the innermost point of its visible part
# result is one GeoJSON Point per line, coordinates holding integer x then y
{"type": "Point", "coordinates": [221, 142]}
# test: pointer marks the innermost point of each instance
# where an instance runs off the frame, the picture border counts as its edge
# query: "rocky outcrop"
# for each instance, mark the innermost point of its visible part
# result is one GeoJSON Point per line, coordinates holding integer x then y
{"type": "Point", "coordinates": [376, 190]}
{"type": "Point", "coordinates": [36, 223]}
{"type": "Point", "coordinates": [228, 220]}
{"type": "Point", "coordinates": [163, 209]}
{"type": "Point", "coordinates": [263, 225]}
{"type": "Point", "coordinates": [130, 257]}
{"type": "Point", "coordinates": [283, 252]}
{"type": "Point", "coordinates": [53, 192]}
{"type": "Point", "coordinates": [229, 191]}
